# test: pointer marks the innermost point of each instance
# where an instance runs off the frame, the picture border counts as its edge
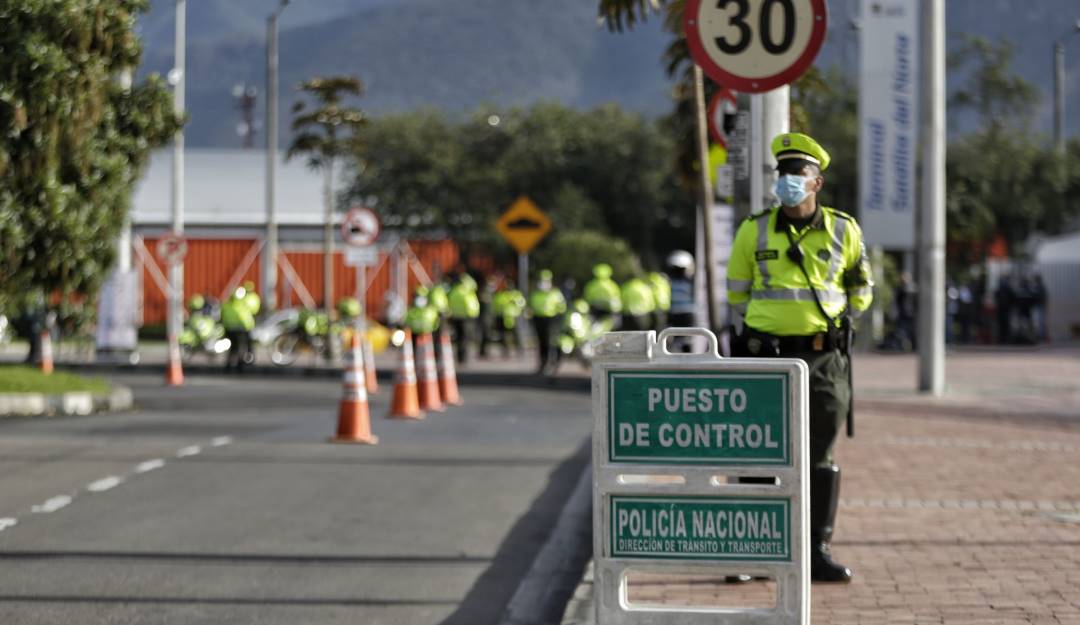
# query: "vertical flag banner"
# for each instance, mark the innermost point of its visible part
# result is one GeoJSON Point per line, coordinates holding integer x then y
{"type": "Point", "coordinates": [888, 121]}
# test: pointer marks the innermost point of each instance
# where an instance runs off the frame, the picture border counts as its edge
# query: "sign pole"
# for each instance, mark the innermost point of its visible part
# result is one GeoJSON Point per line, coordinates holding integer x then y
{"type": "Point", "coordinates": [705, 195]}
{"type": "Point", "coordinates": [523, 274]}
{"type": "Point", "coordinates": [932, 215]}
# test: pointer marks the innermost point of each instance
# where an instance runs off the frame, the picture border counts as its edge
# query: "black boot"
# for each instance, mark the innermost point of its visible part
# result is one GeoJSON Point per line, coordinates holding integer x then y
{"type": "Point", "coordinates": [824, 495]}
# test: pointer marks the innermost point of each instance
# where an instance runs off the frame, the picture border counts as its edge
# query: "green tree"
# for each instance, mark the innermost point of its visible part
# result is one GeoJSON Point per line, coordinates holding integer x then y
{"type": "Point", "coordinates": [323, 134]}
{"type": "Point", "coordinates": [73, 140]}
{"type": "Point", "coordinates": [572, 254]}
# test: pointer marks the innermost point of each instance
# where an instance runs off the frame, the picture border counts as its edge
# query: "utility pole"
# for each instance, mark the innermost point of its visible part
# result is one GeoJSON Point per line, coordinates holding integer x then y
{"type": "Point", "coordinates": [328, 235]}
{"type": "Point", "coordinates": [932, 216]}
{"type": "Point", "coordinates": [775, 120]}
{"type": "Point", "coordinates": [270, 271]}
{"type": "Point", "coordinates": [1059, 88]}
{"type": "Point", "coordinates": [173, 319]}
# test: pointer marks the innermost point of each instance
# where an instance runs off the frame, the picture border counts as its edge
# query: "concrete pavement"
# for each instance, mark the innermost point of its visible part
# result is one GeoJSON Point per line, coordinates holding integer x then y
{"type": "Point", "coordinates": [221, 503]}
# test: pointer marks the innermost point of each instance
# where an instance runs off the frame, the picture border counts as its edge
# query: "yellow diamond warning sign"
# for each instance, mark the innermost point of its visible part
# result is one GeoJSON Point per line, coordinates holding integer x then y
{"type": "Point", "coordinates": [523, 225]}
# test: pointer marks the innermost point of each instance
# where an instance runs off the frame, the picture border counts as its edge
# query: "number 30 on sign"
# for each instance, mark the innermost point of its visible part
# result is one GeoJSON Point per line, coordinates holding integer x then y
{"type": "Point", "coordinates": [755, 45]}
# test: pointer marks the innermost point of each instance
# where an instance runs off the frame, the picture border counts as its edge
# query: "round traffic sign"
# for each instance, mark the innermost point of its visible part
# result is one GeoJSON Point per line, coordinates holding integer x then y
{"type": "Point", "coordinates": [722, 110]}
{"type": "Point", "coordinates": [172, 248]}
{"type": "Point", "coordinates": [755, 45]}
{"type": "Point", "coordinates": [360, 227]}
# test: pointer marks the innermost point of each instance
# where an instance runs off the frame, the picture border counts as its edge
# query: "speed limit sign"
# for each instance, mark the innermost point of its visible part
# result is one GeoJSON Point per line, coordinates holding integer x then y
{"type": "Point", "coordinates": [755, 45]}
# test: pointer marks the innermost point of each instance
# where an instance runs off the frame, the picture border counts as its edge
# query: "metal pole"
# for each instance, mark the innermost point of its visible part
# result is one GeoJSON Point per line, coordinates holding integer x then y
{"type": "Point", "coordinates": [757, 160]}
{"type": "Point", "coordinates": [270, 270]}
{"type": "Point", "coordinates": [775, 120]}
{"type": "Point", "coordinates": [932, 216]}
{"type": "Point", "coordinates": [328, 236]}
{"type": "Point", "coordinates": [176, 271]}
{"type": "Point", "coordinates": [705, 196]}
{"type": "Point", "coordinates": [1059, 96]}
{"type": "Point", "coordinates": [523, 274]}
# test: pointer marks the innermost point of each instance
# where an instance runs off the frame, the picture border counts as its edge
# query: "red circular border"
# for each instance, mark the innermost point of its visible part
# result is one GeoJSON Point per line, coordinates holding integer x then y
{"type": "Point", "coordinates": [767, 83]}
{"type": "Point", "coordinates": [723, 94]}
{"type": "Point", "coordinates": [345, 222]}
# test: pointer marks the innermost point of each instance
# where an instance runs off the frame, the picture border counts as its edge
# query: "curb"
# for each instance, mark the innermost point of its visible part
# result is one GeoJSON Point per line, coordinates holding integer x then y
{"type": "Point", "coordinates": [76, 403]}
{"type": "Point", "coordinates": [541, 597]}
{"type": "Point", "coordinates": [465, 378]}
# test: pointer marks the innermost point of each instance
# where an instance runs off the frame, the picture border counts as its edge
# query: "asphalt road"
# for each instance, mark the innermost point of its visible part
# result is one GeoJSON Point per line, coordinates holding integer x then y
{"type": "Point", "coordinates": [222, 502]}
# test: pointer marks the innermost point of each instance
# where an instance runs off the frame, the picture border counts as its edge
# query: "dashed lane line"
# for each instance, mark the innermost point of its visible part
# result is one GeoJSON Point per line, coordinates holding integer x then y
{"type": "Point", "coordinates": [104, 484]}
{"type": "Point", "coordinates": [52, 504]}
{"type": "Point", "coordinates": [191, 450]}
{"type": "Point", "coordinates": [149, 465]}
{"type": "Point", "coordinates": [112, 481]}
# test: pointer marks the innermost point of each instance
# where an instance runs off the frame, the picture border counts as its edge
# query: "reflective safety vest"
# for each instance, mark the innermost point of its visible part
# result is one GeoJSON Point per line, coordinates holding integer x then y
{"type": "Point", "coordinates": [637, 298]}
{"type": "Point", "coordinates": [508, 305]}
{"type": "Point", "coordinates": [547, 303]}
{"type": "Point", "coordinates": [603, 294]}
{"type": "Point", "coordinates": [661, 290]}
{"type": "Point", "coordinates": [236, 315]}
{"type": "Point", "coordinates": [253, 302]}
{"type": "Point", "coordinates": [769, 289]}
{"type": "Point", "coordinates": [464, 304]}
{"type": "Point", "coordinates": [422, 319]}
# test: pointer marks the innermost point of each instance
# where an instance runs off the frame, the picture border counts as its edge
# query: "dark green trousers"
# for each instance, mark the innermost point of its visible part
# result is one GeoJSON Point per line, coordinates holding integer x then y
{"type": "Point", "coordinates": [830, 397]}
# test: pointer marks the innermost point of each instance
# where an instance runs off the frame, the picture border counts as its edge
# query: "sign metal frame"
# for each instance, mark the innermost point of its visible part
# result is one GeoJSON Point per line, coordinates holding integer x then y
{"type": "Point", "coordinates": [675, 482]}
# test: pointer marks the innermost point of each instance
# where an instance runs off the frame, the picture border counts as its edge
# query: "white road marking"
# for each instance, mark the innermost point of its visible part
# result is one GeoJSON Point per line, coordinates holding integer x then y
{"type": "Point", "coordinates": [149, 465]}
{"type": "Point", "coordinates": [104, 484]}
{"type": "Point", "coordinates": [221, 441]}
{"type": "Point", "coordinates": [7, 522]}
{"type": "Point", "coordinates": [191, 450]}
{"type": "Point", "coordinates": [52, 504]}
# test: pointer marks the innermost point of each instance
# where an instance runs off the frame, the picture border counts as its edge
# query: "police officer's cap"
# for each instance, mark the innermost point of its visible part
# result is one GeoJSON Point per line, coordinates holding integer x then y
{"type": "Point", "coordinates": [602, 271]}
{"type": "Point", "coordinates": [545, 274]}
{"type": "Point", "coordinates": [795, 145]}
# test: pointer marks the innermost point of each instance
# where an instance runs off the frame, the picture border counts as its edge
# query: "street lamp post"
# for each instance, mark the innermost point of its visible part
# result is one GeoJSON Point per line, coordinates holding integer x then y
{"type": "Point", "coordinates": [174, 317]}
{"type": "Point", "coordinates": [1059, 87]}
{"type": "Point", "coordinates": [270, 258]}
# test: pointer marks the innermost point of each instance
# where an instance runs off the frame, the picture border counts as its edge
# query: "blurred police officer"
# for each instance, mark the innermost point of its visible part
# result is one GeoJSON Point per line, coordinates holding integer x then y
{"type": "Point", "coordinates": [547, 305]}
{"type": "Point", "coordinates": [798, 273]}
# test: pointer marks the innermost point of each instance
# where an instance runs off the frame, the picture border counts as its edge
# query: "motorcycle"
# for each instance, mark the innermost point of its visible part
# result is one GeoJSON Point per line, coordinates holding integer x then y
{"type": "Point", "coordinates": [203, 335]}
{"type": "Point", "coordinates": [288, 333]}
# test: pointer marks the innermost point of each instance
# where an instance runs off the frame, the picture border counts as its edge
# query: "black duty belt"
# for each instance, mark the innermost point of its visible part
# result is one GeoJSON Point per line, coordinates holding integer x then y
{"type": "Point", "coordinates": [763, 344]}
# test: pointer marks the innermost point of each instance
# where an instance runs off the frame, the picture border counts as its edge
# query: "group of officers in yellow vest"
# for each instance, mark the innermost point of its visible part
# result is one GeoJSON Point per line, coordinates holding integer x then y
{"type": "Point", "coordinates": [639, 303]}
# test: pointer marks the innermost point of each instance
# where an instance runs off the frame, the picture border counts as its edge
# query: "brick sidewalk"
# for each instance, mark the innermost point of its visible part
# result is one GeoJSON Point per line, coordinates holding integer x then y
{"type": "Point", "coordinates": [946, 519]}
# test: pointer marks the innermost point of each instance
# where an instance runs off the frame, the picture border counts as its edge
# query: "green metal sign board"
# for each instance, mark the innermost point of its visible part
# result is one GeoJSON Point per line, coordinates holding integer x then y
{"type": "Point", "coordinates": [698, 417]}
{"type": "Point", "coordinates": [701, 528]}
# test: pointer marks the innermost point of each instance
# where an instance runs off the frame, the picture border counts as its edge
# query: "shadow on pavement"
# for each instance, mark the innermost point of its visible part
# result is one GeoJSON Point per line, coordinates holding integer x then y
{"type": "Point", "coordinates": [487, 599]}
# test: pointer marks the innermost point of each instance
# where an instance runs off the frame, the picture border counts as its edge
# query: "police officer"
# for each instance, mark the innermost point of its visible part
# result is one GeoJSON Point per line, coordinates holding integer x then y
{"type": "Point", "coordinates": [464, 305]}
{"type": "Point", "coordinates": [661, 288]}
{"type": "Point", "coordinates": [422, 317]}
{"type": "Point", "coordinates": [603, 294]}
{"type": "Point", "coordinates": [547, 305]}
{"type": "Point", "coordinates": [238, 320]}
{"type": "Point", "coordinates": [798, 273]}
{"type": "Point", "coordinates": [509, 304]}
{"type": "Point", "coordinates": [639, 304]}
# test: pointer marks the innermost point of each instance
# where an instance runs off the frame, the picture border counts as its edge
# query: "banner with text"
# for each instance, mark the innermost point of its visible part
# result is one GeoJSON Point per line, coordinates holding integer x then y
{"type": "Point", "coordinates": [888, 121]}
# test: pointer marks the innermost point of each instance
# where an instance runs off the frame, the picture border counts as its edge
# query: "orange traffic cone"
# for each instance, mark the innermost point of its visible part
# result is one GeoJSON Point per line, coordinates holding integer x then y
{"type": "Point", "coordinates": [448, 387]}
{"type": "Point", "coordinates": [354, 420]}
{"type": "Point", "coordinates": [369, 365]}
{"type": "Point", "coordinates": [427, 377]}
{"type": "Point", "coordinates": [406, 402]}
{"type": "Point", "coordinates": [174, 372]}
{"type": "Point", "coordinates": [46, 353]}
